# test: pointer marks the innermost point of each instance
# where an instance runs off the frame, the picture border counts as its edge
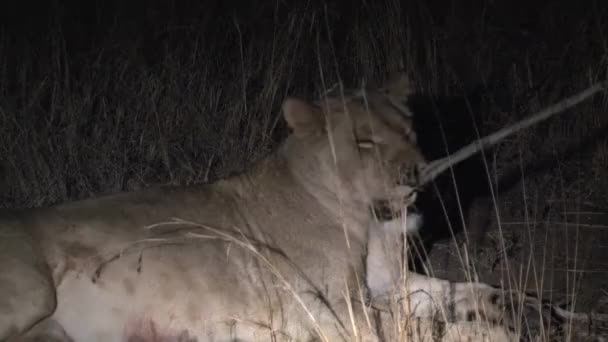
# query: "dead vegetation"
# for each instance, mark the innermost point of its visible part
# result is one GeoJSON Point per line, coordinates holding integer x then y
{"type": "Point", "coordinates": [193, 96]}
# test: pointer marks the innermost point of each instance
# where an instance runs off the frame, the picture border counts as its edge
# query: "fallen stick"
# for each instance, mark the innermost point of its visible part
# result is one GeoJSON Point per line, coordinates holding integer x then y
{"type": "Point", "coordinates": [438, 166]}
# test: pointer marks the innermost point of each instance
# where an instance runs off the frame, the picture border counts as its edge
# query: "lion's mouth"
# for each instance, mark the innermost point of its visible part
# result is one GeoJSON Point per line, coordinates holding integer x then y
{"type": "Point", "coordinates": [404, 195]}
{"type": "Point", "coordinates": [386, 210]}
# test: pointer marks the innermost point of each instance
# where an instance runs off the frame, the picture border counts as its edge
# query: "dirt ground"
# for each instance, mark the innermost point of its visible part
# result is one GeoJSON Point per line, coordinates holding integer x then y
{"type": "Point", "coordinates": [563, 252]}
{"type": "Point", "coordinates": [558, 252]}
{"type": "Point", "coordinates": [530, 215]}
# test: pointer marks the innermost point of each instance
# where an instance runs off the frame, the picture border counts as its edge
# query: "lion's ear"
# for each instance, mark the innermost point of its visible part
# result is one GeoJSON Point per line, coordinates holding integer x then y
{"type": "Point", "coordinates": [302, 117]}
{"type": "Point", "coordinates": [399, 85]}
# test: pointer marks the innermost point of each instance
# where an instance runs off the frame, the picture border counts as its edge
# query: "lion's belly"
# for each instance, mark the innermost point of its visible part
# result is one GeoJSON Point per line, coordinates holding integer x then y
{"type": "Point", "coordinates": [162, 296]}
{"type": "Point", "coordinates": [168, 294]}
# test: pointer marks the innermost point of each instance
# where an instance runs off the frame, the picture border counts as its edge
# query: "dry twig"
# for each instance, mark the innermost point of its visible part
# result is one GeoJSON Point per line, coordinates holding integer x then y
{"type": "Point", "coordinates": [436, 167]}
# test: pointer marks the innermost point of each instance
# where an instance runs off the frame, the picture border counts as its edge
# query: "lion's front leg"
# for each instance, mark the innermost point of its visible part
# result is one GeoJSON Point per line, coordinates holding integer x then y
{"type": "Point", "coordinates": [421, 296]}
{"type": "Point", "coordinates": [27, 292]}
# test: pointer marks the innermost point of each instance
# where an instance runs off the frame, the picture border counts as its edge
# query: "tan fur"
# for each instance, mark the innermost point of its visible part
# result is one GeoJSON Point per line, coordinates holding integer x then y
{"type": "Point", "coordinates": [259, 255]}
{"type": "Point", "coordinates": [416, 307]}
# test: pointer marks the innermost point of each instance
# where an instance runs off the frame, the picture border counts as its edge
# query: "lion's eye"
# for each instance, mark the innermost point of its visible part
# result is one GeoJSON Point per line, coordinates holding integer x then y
{"type": "Point", "coordinates": [365, 144]}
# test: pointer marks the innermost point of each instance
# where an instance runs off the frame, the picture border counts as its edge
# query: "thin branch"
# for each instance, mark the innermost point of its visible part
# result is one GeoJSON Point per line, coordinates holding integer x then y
{"type": "Point", "coordinates": [436, 167]}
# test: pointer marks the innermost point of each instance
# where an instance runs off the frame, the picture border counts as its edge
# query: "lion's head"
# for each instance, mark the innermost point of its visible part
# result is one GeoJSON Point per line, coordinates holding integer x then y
{"type": "Point", "coordinates": [359, 146]}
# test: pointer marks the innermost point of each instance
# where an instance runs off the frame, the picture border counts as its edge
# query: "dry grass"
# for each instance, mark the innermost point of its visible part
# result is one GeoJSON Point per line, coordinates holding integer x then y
{"type": "Point", "coordinates": [184, 103]}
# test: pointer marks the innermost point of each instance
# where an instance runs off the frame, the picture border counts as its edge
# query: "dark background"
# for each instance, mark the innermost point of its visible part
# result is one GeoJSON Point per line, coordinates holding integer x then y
{"type": "Point", "coordinates": [101, 96]}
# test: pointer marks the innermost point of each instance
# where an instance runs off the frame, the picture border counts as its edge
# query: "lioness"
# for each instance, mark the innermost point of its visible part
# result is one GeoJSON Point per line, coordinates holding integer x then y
{"type": "Point", "coordinates": [274, 253]}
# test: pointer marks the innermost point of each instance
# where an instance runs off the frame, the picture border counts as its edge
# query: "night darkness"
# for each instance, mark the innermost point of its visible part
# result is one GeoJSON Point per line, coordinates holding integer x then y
{"type": "Point", "coordinates": [100, 97]}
